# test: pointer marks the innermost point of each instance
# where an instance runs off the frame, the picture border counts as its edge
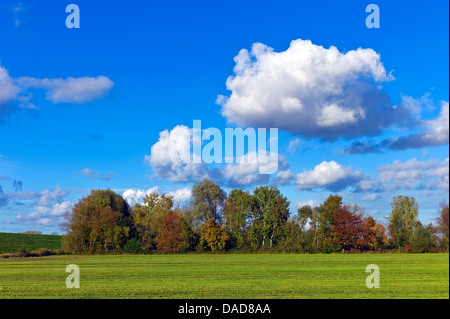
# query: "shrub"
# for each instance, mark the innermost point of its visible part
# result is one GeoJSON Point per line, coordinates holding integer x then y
{"type": "Point", "coordinates": [23, 252]}
{"type": "Point", "coordinates": [43, 252]}
{"type": "Point", "coordinates": [133, 246]}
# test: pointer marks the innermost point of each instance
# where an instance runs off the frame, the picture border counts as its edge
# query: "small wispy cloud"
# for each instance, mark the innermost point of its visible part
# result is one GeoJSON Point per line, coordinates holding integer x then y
{"type": "Point", "coordinates": [18, 186]}
{"type": "Point", "coordinates": [94, 175]}
{"type": "Point", "coordinates": [371, 197]}
{"type": "Point", "coordinates": [15, 92]}
{"type": "Point", "coordinates": [294, 145]}
{"type": "Point", "coordinates": [17, 10]}
{"type": "Point", "coordinates": [70, 90]}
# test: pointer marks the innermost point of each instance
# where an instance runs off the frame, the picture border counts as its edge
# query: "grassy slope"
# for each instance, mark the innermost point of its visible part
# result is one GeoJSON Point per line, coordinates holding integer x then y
{"type": "Point", "coordinates": [11, 243]}
{"type": "Point", "coordinates": [227, 276]}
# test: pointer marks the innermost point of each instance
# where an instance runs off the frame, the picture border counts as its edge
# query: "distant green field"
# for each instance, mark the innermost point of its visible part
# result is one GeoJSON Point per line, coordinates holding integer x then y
{"type": "Point", "coordinates": [11, 243]}
{"type": "Point", "coordinates": [227, 276]}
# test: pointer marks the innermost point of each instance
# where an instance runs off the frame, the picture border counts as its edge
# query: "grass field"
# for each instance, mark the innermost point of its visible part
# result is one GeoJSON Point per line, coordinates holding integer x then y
{"type": "Point", "coordinates": [227, 276]}
{"type": "Point", "coordinates": [11, 242]}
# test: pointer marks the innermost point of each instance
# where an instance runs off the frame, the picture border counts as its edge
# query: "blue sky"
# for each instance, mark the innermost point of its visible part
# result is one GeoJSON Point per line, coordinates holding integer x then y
{"type": "Point", "coordinates": [80, 109]}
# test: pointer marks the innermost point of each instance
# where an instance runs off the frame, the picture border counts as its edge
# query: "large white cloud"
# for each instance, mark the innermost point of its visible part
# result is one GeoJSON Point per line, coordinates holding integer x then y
{"type": "Point", "coordinates": [311, 91]}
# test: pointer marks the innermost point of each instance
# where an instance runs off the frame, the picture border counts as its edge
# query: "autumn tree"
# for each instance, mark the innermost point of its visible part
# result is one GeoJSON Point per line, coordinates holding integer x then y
{"type": "Point", "coordinates": [348, 229]}
{"type": "Point", "coordinates": [374, 234]}
{"type": "Point", "coordinates": [170, 237]}
{"type": "Point", "coordinates": [99, 222]}
{"type": "Point", "coordinates": [442, 227]}
{"type": "Point", "coordinates": [369, 233]}
{"type": "Point", "coordinates": [380, 236]}
{"type": "Point", "coordinates": [147, 218]}
{"type": "Point", "coordinates": [214, 235]}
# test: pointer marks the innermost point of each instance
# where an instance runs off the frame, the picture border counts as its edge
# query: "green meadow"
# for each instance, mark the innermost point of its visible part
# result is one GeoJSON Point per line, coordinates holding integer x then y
{"type": "Point", "coordinates": [12, 242]}
{"type": "Point", "coordinates": [227, 276]}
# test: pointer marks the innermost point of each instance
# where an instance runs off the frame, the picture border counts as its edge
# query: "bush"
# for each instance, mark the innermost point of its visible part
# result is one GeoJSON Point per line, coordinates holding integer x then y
{"type": "Point", "coordinates": [23, 252]}
{"type": "Point", "coordinates": [43, 252]}
{"type": "Point", "coordinates": [133, 246]}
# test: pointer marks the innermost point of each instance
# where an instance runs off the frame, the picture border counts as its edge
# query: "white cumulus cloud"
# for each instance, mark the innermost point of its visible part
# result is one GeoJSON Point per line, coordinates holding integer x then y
{"type": "Point", "coordinates": [311, 91]}
{"type": "Point", "coordinates": [330, 175]}
{"type": "Point", "coordinates": [136, 196]}
{"type": "Point", "coordinates": [249, 168]}
{"type": "Point", "coordinates": [49, 210]}
{"type": "Point", "coordinates": [181, 197]}
{"type": "Point", "coordinates": [166, 156]}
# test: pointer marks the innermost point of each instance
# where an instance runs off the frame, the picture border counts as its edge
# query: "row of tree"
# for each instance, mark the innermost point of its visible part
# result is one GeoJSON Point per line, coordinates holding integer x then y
{"type": "Point", "coordinates": [244, 221]}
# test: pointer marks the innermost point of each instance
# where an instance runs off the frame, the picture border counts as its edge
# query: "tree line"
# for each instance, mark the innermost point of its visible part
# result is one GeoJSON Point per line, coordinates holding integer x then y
{"type": "Point", "coordinates": [103, 222]}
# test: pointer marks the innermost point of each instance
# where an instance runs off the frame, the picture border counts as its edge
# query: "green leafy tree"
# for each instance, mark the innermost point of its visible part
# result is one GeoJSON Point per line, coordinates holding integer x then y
{"type": "Point", "coordinates": [305, 214]}
{"type": "Point", "coordinates": [208, 201]}
{"type": "Point", "coordinates": [322, 221]}
{"type": "Point", "coordinates": [294, 238]}
{"type": "Point", "coordinates": [403, 219]}
{"type": "Point", "coordinates": [237, 213]}
{"type": "Point", "coordinates": [421, 239]}
{"type": "Point", "coordinates": [270, 213]}
{"type": "Point", "coordinates": [189, 239]}
{"type": "Point", "coordinates": [133, 246]}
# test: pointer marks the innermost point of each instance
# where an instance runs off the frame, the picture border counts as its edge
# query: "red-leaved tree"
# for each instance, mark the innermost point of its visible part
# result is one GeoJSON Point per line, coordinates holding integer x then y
{"type": "Point", "coordinates": [170, 237]}
{"type": "Point", "coordinates": [348, 229]}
